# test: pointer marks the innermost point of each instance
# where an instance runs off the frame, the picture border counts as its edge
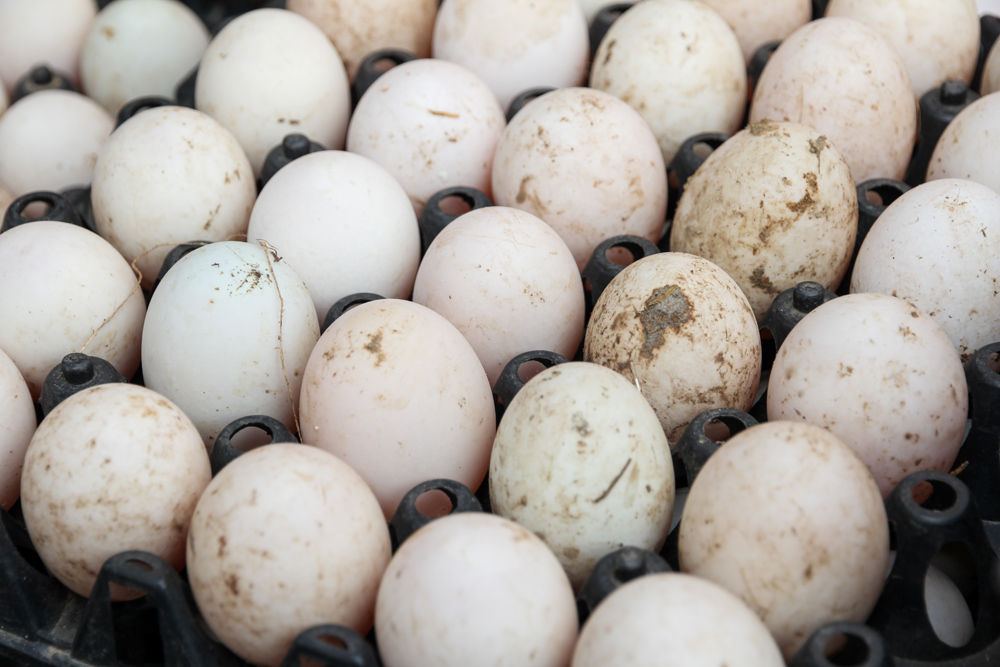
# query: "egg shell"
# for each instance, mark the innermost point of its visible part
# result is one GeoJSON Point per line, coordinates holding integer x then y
{"type": "Point", "coordinates": [64, 289]}
{"type": "Point", "coordinates": [138, 48]}
{"type": "Point", "coordinates": [42, 31]}
{"type": "Point", "coordinates": [881, 375]}
{"type": "Point", "coordinates": [393, 389]}
{"type": "Point", "coordinates": [580, 460]}
{"type": "Point", "coordinates": [17, 424]}
{"type": "Point", "coordinates": [587, 164]}
{"type": "Point", "coordinates": [515, 45]}
{"type": "Point", "coordinates": [694, 81]}
{"type": "Point", "coordinates": [4, 100]}
{"type": "Point", "coordinates": [937, 40]}
{"type": "Point", "coordinates": [673, 620]}
{"type": "Point", "coordinates": [270, 73]}
{"type": "Point", "coordinates": [360, 28]}
{"type": "Point", "coordinates": [6, 198]}
{"type": "Point", "coordinates": [112, 468]}
{"type": "Point", "coordinates": [758, 23]}
{"type": "Point", "coordinates": [844, 79]}
{"type": "Point", "coordinates": [773, 206]}
{"type": "Point", "coordinates": [227, 335]}
{"type": "Point", "coordinates": [343, 223]}
{"type": "Point", "coordinates": [788, 518]}
{"type": "Point", "coordinates": [170, 175]}
{"type": "Point", "coordinates": [681, 328]}
{"type": "Point", "coordinates": [285, 537]}
{"type": "Point", "coordinates": [50, 140]}
{"type": "Point", "coordinates": [969, 146]}
{"type": "Point", "coordinates": [938, 247]}
{"type": "Point", "coordinates": [506, 281]}
{"type": "Point", "coordinates": [432, 125]}
{"type": "Point", "coordinates": [991, 71]}
{"type": "Point", "coordinates": [430, 605]}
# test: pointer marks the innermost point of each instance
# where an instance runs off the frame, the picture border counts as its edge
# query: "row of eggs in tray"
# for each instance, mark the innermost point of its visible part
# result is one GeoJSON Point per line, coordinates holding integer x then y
{"type": "Point", "coordinates": [399, 391]}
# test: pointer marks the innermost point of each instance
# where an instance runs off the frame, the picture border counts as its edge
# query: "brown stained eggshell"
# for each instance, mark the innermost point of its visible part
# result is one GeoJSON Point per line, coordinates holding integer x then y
{"type": "Point", "coordinates": [359, 28]}
{"type": "Point", "coordinates": [393, 389]}
{"type": "Point", "coordinates": [773, 206]}
{"type": "Point", "coordinates": [756, 23]}
{"type": "Point", "coordinates": [787, 518]}
{"type": "Point", "coordinates": [42, 31]}
{"type": "Point", "coordinates": [285, 537]}
{"type": "Point", "coordinates": [17, 424]}
{"type": "Point", "coordinates": [844, 79]}
{"type": "Point", "coordinates": [587, 164]}
{"type": "Point", "coordinates": [580, 459]}
{"type": "Point", "coordinates": [113, 468]}
{"type": "Point", "coordinates": [969, 147]}
{"type": "Point", "coordinates": [681, 328]}
{"type": "Point", "coordinates": [882, 376]}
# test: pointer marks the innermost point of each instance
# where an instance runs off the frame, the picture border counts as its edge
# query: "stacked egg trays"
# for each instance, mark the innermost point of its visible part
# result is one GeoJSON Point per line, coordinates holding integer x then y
{"type": "Point", "coordinates": [43, 623]}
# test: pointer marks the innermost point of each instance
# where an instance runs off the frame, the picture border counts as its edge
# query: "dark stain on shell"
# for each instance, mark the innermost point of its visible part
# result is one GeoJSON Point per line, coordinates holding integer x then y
{"type": "Point", "coordinates": [666, 308]}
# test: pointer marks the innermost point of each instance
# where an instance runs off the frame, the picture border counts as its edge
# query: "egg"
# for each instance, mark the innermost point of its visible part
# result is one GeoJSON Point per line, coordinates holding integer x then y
{"type": "Point", "coordinates": [113, 468]}
{"type": "Point", "coordinates": [774, 206]}
{"type": "Point", "coordinates": [269, 73]}
{"type": "Point", "coordinates": [394, 390]}
{"type": "Point", "coordinates": [6, 199]}
{"type": "Point", "coordinates": [674, 619]}
{"type": "Point", "coordinates": [430, 607]}
{"type": "Point", "coordinates": [967, 147]}
{"type": "Point", "coordinates": [343, 223]}
{"type": "Point", "coordinates": [938, 247]}
{"type": "Point", "coordinates": [786, 517]}
{"type": "Point", "coordinates": [882, 376]}
{"type": "Point", "coordinates": [758, 23]}
{"type": "Point", "coordinates": [937, 40]}
{"type": "Point", "coordinates": [580, 460]}
{"type": "Point", "coordinates": [42, 31]}
{"type": "Point", "coordinates": [844, 79]}
{"type": "Point", "coordinates": [17, 424]}
{"type": "Point", "coordinates": [4, 100]}
{"type": "Point", "coordinates": [432, 125]}
{"type": "Point", "coordinates": [170, 175]}
{"type": "Point", "coordinates": [991, 71]}
{"type": "Point", "coordinates": [693, 82]}
{"type": "Point", "coordinates": [285, 537]}
{"type": "Point", "coordinates": [681, 329]}
{"type": "Point", "coordinates": [50, 140]}
{"type": "Point", "coordinates": [227, 334]}
{"type": "Point", "coordinates": [360, 28]}
{"type": "Point", "coordinates": [506, 281]}
{"type": "Point", "coordinates": [587, 164]}
{"type": "Point", "coordinates": [64, 289]}
{"type": "Point", "coordinates": [515, 45]}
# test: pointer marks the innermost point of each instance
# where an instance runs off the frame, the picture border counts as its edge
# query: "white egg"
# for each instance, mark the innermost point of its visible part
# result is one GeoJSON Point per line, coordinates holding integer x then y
{"type": "Point", "coordinates": [690, 82]}
{"type": "Point", "coordinates": [17, 424]}
{"type": "Point", "coordinates": [395, 390]}
{"type": "Point", "coordinates": [882, 376]}
{"type": "Point", "coordinates": [787, 517]}
{"type": "Point", "coordinates": [937, 40]}
{"type": "Point", "coordinates": [50, 140]}
{"type": "Point", "coordinates": [269, 73]}
{"type": "Point", "coordinates": [682, 330]}
{"type": "Point", "coordinates": [515, 45]}
{"type": "Point", "coordinates": [227, 335]}
{"type": "Point", "coordinates": [4, 100]}
{"type": "Point", "coordinates": [580, 460]}
{"type": "Point", "coordinates": [170, 175]}
{"type": "Point", "coordinates": [430, 609]}
{"type": "Point", "coordinates": [587, 164]}
{"type": "Point", "coordinates": [773, 206]}
{"type": "Point", "coordinates": [757, 23]}
{"type": "Point", "coordinates": [42, 31]}
{"type": "Point", "coordinates": [508, 282]}
{"type": "Point", "coordinates": [285, 537]}
{"type": "Point", "coordinates": [938, 247]}
{"type": "Point", "coordinates": [991, 71]}
{"type": "Point", "coordinates": [64, 289]}
{"type": "Point", "coordinates": [846, 80]}
{"type": "Point", "coordinates": [6, 198]}
{"type": "Point", "coordinates": [674, 619]}
{"type": "Point", "coordinates": [360, 28]}
{"type": "Point", "coordinates": [968, 147]}
{"type": "Point", "coordinates": [113, 468]}
{"type": "Point", "coordinates": [138, 48]}
{"type": "Point", "coordinates": [343, 223]}
{"type": "Point", "coordinates": [432, 125]}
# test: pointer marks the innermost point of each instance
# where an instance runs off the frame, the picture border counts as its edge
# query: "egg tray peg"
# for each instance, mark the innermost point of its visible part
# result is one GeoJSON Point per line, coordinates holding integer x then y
{"type": "Point", "coordinates": [602, 22]}
{"type": "Point", "coordinates": [789, 307]}
{"type": "Point", "coordinates": [613, 571]}
{"type": "Point", "coordinates": [292, 147]}
{"type": "Point", "coordinates": [41, 78]}
{"type": "Point", "coordinates": [139, 104]}
{"type": "Point", "coordinates": [408, 519]}
{"type": "Point", "coordinates": [373, 66]}
{"type": "Point", "coordinates": [938, 107]}
{"type": "Point", "coordinates": [223, 450]}
{"type": "Point", "coordinates": [509, 381]}
{"type": "Point", "coordinates": [523, 99]}
{"type": "Point", "coordinates": [874, 196]}
{"type": "Point", "coordinates": [600, 271]}
{"type": "Point", "coordinates": [691, 155]}
{"type": "Point", "coordinates": [342, 305]}
{"type": "Point", "coordinates": [59, 209]}
{"type": "Point", "coordinates": [433, 219]}
{"type": "Point", "coordinates": [77, 371]}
